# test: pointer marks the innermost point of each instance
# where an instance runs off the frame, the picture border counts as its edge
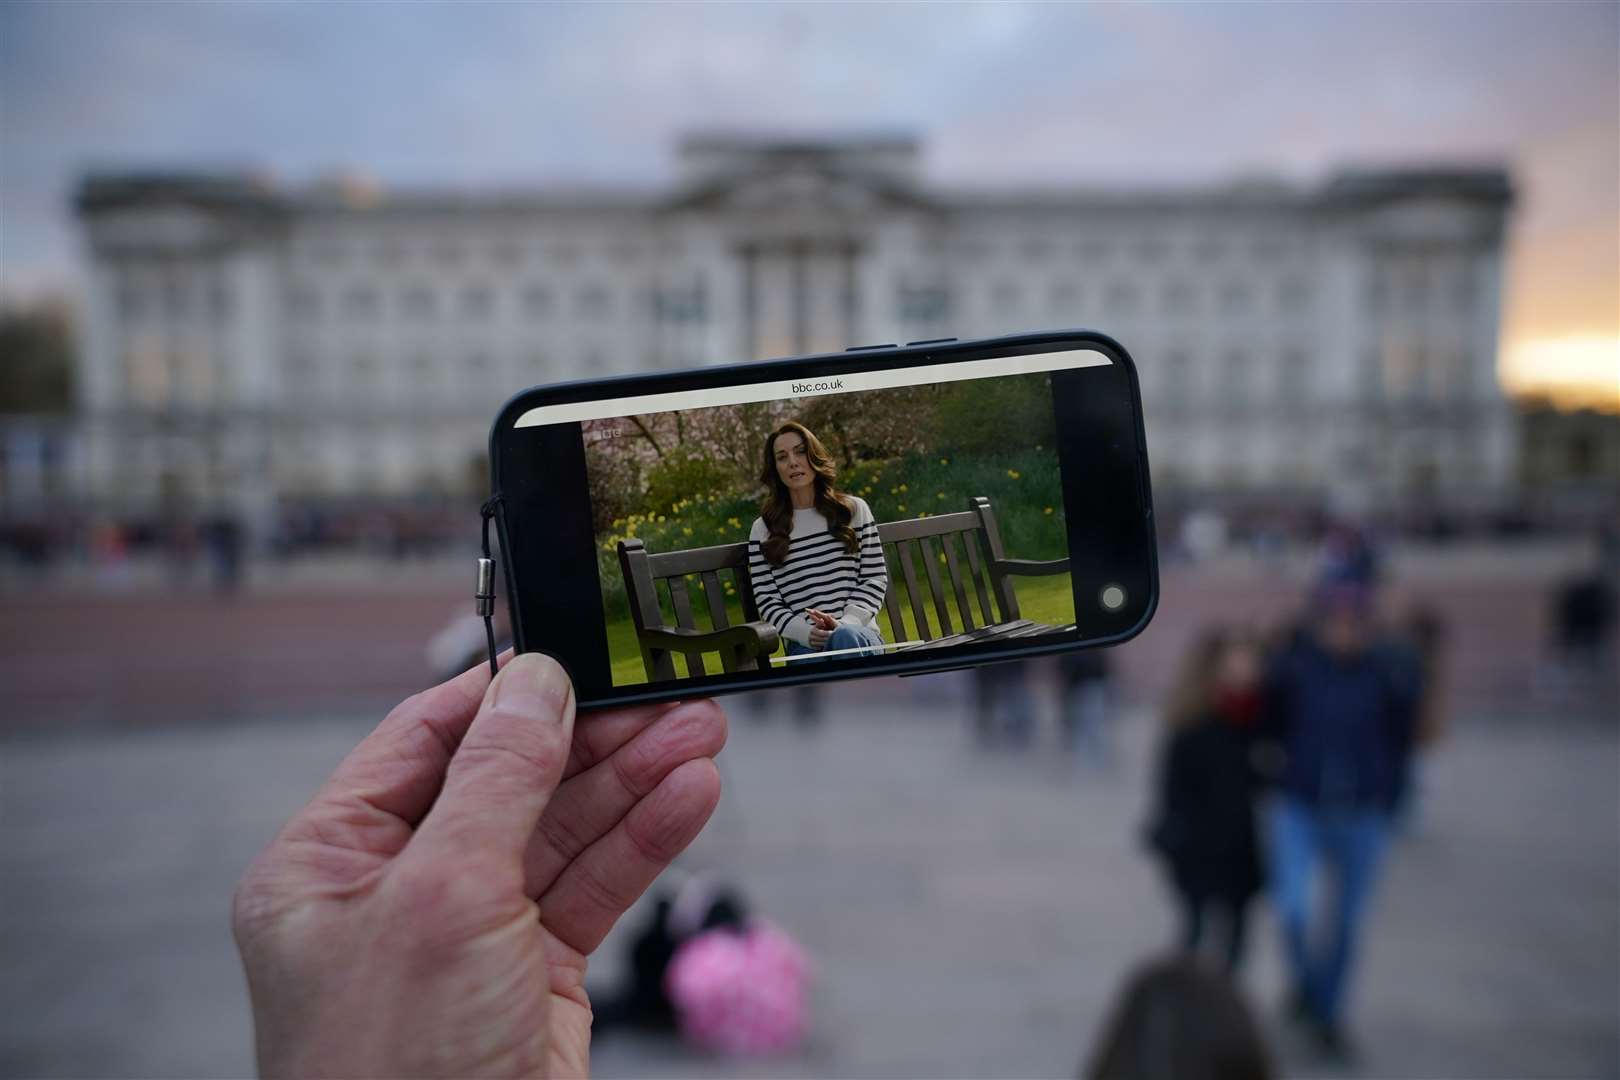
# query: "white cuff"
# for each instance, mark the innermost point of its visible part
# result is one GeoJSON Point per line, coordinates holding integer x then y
{"type": "Point", "coordinates": [798, 629]}
{"type": "Point", "coordinates": [857, 615]}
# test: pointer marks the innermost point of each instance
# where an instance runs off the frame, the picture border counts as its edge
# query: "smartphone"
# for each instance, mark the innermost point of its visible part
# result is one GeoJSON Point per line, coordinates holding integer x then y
{"type": "Point", "coordinates": [885, 510]}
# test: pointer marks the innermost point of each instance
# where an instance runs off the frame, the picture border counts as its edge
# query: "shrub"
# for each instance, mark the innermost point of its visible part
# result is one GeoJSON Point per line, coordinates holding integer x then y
{"type": "Point", "coordinates": [996, 416]}
{"type": "Point", "coordinates": [681, 474]}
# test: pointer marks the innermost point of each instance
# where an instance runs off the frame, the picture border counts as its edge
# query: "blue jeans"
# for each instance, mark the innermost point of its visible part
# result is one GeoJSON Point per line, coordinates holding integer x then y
{"type": "Point", "coordinates": [845, 637]}
{"type": "Point", "coordinates": [1350, 841]}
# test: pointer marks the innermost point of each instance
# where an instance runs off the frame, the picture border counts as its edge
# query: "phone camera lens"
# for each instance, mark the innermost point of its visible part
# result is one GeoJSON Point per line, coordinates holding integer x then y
{"type": "Point", "coordinates": [1112, 597]}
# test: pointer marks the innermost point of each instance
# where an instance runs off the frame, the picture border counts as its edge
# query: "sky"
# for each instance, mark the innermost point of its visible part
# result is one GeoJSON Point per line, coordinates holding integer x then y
{"type": "Point", "coordinates": [500, 95]}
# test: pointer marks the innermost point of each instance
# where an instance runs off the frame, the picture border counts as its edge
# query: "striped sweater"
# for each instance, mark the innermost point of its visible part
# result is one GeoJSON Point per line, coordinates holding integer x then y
{"type": "Point", "coordinates": [819, 573]}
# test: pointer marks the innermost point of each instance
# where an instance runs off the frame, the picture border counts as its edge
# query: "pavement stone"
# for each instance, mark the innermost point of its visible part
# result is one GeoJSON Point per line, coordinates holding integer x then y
{"type": "Point", "coordinates": [970, 913]}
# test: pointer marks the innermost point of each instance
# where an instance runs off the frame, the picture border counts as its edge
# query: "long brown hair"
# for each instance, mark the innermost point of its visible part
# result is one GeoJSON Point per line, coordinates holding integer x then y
{"type": "Point", "coordinates": [1193, 695]}
{"type": "Point", "coordinates": [777, 509]}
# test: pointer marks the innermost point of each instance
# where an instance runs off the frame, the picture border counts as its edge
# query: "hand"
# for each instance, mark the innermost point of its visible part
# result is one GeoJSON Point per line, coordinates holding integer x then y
{"type": "Point", "coordinates": [821, 627]}
{"type": "Point", "coordinates": [431, 910]}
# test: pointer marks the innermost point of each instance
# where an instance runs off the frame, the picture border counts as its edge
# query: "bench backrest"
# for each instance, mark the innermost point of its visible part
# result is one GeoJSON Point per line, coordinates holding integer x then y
{"type": "Point", "coordinates": [702, 573]}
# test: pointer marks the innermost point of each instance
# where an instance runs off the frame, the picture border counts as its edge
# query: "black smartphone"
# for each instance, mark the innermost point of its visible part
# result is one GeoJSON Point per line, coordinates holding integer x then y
{"type": "Point", "coordinates": [885, 510]}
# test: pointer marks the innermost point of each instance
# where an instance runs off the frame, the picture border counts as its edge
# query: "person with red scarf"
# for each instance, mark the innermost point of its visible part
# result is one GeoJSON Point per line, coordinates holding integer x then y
{"type": "Point", "coordinates": [1205, 825]}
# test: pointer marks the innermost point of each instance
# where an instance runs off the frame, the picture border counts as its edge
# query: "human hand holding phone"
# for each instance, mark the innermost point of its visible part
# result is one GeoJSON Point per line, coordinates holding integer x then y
{"type": "Point", "coordinates": [821, 627]}
{"type": "Point", "coordinates": [430, 911]}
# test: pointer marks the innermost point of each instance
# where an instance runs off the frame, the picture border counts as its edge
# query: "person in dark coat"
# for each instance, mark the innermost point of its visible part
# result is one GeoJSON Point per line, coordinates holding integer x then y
{"type": "Point", "coordinates": [1341, 706]}
{"type": "Point", "coordinates": [1205, 828]}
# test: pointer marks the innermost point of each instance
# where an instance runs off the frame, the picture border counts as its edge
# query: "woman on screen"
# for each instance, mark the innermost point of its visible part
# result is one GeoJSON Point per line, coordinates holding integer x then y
{"type": "Point", "coordinates": [814, 554]}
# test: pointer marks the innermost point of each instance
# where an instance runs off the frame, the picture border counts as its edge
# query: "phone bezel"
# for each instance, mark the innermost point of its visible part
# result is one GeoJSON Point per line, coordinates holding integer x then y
{"type": "Point", "coordinates": [861, 359]}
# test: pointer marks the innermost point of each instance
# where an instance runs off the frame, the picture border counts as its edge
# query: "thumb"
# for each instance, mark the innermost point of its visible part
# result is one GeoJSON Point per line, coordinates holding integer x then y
{"type": "Point", "coordinates": [509, 763]}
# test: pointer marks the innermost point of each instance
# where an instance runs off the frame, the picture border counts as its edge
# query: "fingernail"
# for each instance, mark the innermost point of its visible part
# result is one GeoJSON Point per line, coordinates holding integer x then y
{"type": "Point", "coordinates": [533, 685]}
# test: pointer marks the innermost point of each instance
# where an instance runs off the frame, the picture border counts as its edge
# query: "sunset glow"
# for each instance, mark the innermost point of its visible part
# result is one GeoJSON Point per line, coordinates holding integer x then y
{"type": "Point", "coordinates": [1572, 371]}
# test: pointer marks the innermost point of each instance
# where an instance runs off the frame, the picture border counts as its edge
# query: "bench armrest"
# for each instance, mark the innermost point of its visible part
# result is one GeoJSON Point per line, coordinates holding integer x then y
{"type": "Point", "coordinates": [754, 639]}
{"type": "Point", "coordinates": [1030, 567]}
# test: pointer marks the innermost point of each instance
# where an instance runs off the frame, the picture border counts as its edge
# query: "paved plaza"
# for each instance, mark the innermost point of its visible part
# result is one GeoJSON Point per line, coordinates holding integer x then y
{"type": "Point", "coordinates": [970, 913]}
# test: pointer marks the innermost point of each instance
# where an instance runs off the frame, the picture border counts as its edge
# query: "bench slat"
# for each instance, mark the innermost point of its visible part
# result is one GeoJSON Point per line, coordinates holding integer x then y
{"type": "Point", "coordinates": [902, 551]}
{"type": "Point", "coordinates": [696, 560]}
{"type": "Point", "coordinates": [917, 528]}
{"type": "Point", "coordinates": [954, 567]}
{"type": "Point", "coordinates": [993, 554]}
{"type": "Point", "coordinates": [716, 597]}
{"type": "Point", "coordinates": [682, 600]}
{"type": "Point", "coordinates": [891, 600]}
{"type": "Point", "coordinates": [715, 594]}
{"type": "Point", "coordinates": [745, 587]}
{"type": "Point", "coordinates": [931, 565]}
{"type": "Point", "coordinates": [970, 544]}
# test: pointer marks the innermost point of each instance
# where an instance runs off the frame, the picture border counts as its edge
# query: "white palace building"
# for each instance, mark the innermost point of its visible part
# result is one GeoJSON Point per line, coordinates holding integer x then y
{"type": "Point", "coordinates": [246, 346]}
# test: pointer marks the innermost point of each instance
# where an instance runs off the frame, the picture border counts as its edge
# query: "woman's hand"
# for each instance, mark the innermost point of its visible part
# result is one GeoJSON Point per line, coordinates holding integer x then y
{"type": "Point", "coordinates": [431, 910]}
{"type": "Point", "coordinates": [821, 627]}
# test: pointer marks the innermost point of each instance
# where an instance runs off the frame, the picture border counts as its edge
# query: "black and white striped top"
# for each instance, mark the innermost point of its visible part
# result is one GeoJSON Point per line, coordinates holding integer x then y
{"type": "Point", "coordinates": [819, 573]}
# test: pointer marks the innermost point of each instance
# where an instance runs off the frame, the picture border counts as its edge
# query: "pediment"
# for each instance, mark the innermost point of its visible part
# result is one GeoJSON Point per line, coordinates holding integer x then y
{"type": "Point", "coordinates": [798, 188]}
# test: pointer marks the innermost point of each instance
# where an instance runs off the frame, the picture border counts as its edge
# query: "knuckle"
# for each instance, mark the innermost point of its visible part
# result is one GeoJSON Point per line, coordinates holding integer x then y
{"type": "Point", "coordinates": [600, 891]}
{"type": "Point", "coordinates": [259, 900]}
{"type": "Point", "coordinates": [561, 836]}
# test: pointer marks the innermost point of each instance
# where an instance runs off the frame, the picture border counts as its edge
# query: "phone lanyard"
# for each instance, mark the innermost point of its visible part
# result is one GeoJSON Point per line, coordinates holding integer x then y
{"type": "Point", "coordinates": [485, 595]}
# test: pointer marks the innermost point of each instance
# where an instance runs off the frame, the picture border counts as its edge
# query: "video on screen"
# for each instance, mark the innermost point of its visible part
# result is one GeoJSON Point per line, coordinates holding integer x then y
{"type": "Point", "coordinates": [840, 524]}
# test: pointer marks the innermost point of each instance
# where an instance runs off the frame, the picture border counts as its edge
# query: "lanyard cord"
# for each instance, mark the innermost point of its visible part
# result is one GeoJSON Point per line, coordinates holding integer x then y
{"type": "Point", "coordinates": [486, 582]}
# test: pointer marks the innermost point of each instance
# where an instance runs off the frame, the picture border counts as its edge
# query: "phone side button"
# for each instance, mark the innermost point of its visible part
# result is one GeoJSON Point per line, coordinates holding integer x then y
{"type": "Point", "coordinates": [932, 341]}
{"type": "Point", "coordinates": [864, 348]}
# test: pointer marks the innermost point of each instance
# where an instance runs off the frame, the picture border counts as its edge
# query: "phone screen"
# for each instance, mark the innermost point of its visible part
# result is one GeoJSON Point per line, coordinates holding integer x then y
{"type": "Point", "coordinates": [827, 522]}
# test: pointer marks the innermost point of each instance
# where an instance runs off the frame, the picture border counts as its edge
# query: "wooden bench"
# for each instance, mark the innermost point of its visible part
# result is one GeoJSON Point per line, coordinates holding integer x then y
{"type": "Point", "coordinates": [982, 570]}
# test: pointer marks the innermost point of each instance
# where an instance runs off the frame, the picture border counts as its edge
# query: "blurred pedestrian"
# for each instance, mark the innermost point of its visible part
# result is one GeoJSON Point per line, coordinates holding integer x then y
{"type": "Point", "coordinates": [741, 991]}
{"type": "Point", "coordinates": [1586, 617]}
{"type": "Point", "coordinates": [699, 903]}
{"type": "Point", "coordinates": [1005, 712]}
{"type": "Point", "coordinates": [1343, 712]}
{"type": "Point", "coordinates": [1349, 554]}
{"type": "Point", "coordinates": [1205, 823]}
{"type": "Point", "coordinates": [1418, 646]}
{"type": "Point", "coordinates": [1085, 698]}
{"type": "Point", "coordinates": [222, 536]}
{"type": "Point", "coordinates": [1179, 1020]}
{"type": "Point", "coordinates": [183, 548]}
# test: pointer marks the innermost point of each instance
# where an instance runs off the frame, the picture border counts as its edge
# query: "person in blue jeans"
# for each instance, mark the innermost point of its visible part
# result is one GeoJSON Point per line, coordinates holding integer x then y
{"type": "Point", "coordinates": [1342, 709]}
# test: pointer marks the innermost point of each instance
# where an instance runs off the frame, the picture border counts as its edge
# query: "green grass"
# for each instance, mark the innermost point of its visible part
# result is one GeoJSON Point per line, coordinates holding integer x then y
{"type": "Point", "coordinates": [1043, 599]}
